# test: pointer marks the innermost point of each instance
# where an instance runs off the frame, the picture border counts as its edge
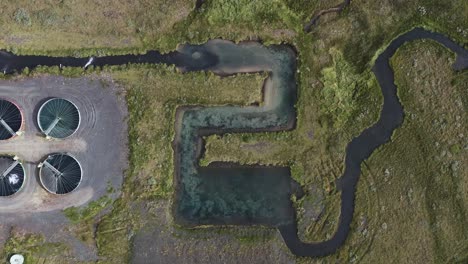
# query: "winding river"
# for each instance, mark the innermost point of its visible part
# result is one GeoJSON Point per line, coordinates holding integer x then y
{"type": "Point", "coordinates": [361, 147]}
{"type": "Point", "coordinates": [233, 194]}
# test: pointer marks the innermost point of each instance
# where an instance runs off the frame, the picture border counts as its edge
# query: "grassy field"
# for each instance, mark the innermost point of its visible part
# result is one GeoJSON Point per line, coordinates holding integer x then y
{"type": "Point", "coordinates": [412, 197]}
{"type": "Point", "coordinates": [84, 27]}
{"type": "Point", "coordinates": [35, 249]}
{"type": "Point", "coordinates": [423, 191]}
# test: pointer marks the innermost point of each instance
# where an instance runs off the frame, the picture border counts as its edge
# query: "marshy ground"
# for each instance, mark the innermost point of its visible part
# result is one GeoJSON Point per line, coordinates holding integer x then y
{"type": "Point", "coordinates": [411, 204]}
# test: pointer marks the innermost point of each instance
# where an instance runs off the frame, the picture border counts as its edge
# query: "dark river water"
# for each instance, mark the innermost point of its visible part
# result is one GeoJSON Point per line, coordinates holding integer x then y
{"type": "Point", "coordinates": [361, 147]}
{"type": "Point", "coordinates": [232, 194]}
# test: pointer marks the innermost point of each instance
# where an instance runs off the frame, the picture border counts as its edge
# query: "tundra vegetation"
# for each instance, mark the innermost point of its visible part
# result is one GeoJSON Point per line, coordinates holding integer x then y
{"type": "Point", "coordinates": [412, 199]}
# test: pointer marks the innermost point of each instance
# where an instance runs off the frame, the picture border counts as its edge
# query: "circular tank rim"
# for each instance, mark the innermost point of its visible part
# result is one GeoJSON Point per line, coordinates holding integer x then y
{"type": "Point", "coordinates": [23, 121]}
{"type": "Point", "coordinates": [58, 98]}
{"type": "Point", "coordinates": [79, 165]}
{"type": "Point", "coordinates": [14, 257]}
{"type": "Point", "coordinates": [24, 180]}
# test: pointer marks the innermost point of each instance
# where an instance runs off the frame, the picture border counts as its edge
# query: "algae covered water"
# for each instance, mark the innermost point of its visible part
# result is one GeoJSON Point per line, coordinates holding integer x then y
{"type": "Point", "coordinates": [229, 193]}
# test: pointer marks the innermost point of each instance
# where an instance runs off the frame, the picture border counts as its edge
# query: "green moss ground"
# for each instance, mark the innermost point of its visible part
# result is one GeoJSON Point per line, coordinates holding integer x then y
{"type": "Point", "coordinates": [35, 249]}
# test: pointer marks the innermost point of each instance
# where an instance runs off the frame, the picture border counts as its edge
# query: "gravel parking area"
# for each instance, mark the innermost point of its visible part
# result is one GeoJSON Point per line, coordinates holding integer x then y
{"type": "Point", "coordinates": [100, 145]}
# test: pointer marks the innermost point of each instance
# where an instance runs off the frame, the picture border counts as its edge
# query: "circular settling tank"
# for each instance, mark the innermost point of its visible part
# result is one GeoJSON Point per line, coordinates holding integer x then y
{"type": "Point", "coordinates": [60, 173]}
{"type": "Point", "coordinates": [58, 118]}
{"type": "Point", "coordinates": [11, 119]}
{"type": "Point", "coordinates": [11, 176]}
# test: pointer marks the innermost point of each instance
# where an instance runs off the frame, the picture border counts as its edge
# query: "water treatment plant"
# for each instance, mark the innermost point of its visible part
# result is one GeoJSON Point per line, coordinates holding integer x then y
{"type": "Point", "coordinates": [221, 131]}
{"type": "Point", "coordinates": [58, 118]}
{"type": "Point", "coordinates": [12, 176]}
{"type": "Point", "coordinates": [60, 173]}
{"type": "Point", "coordinates": [11, 119]}
{"type": "Point", "coordinates": [54, 136]}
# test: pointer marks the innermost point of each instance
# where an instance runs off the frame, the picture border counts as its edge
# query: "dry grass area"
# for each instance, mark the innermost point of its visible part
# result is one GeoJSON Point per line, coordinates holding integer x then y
{"type": "Point", "coordinates": [68, 26]}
